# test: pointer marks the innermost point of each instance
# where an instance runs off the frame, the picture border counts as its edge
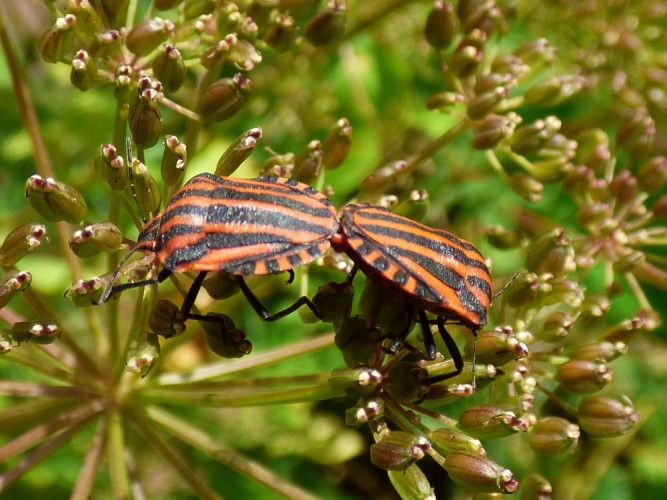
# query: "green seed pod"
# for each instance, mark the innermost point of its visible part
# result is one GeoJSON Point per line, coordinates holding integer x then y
{"type": "Point", "coordinates": [221, 285]}
{"type": "Point", "coordinates": [337, 144]}
{"type": "Point", "coordinates": [556, 326]}
{"type": "Point", "coordinates": [145, 118]}
{"type": "Point", "coordinates": [224, 98]}
{"type": "Point", "coordinates": [169, 68]}
{"type": "Point", "coordinates": [526, 186]}
{"type": "Point", "coordinates": [308, 162]}
{"type": "Point", "coordinates": [444, 100]}
{"type": "Point", "coordinates": [57, 41]}
{"type": "Point", "coordinates": [503, 238]}
{"type": "Point", "coordinates": [465, 60]}
{"type": "Point", "coordinates": [225, 340]}
{"type": "Point", "coordinates": [415, 205]}
{"type": "Point", "coordinates": [488, 421]}
{"type": "Point", "coordinates": [524, 289]}
{"type": "Point", "coordinates": [86, 293]}
{"type": "Point", "coordinates": [123, 87]}
{"type": "Point", "coordinates": [483, 104]}
{"type": "Point", "coordinates": [652, 175]}
{"type": "Point", "coordinates": [164, 319]}
{"type": "Point", "coordinates": [383, 178]}
{"type": "Point", "coordinates": [281, 33]}
{"type": "Point", "coordinates": [561, 291]}
{"type": "Point", "coordinates": [146, 189]}
{"type": "Point", "coordinates": [492, 130]}
{"type": "Point", "coordinates": [106, 43]}
{"type": "Point", "coordinates": [357, 382]}
{"type": "Point", "coordinates": [442, 25]}
{"type": "Point", "coordinates": [478, 473]}
{"type": "Point", "coordinates": [451, 440]}
{"type": "Point", "coordinates": [357, 342]}
{"type": "Point", "coordinates": [328, 25]}
{"type": "Point", "coordinates": [38, 332]}
{"type": "Point", "coordinates": [406, 382]}
{"type": "Point", "coordinates": [551, 435]}
{"type": "Point", "coordinates": [365, 411]}
{"type": "Point", "coordinates": [237, 152]}
{"type": "Point", "coordinates": [492, 81]}
{"type": "Point", "coordinates": [605, 417]}
{"type": "Point", "coordinates": [496, 347]}
{"type": "Point", "coordinates": [88, 21]}
{"type": "Point", "coordinates": [111, 167]}
{"type": "Point", "coordinates": [142, 354]}
{"type": "Point", "coordinates": [278, 165]}
{"type": "Point", "coordinates": [174, 161]}
{"type": "Point", "coordinates": [55, 201]}
{"type": "Point", "coordinates": [20, 242]}
{"type": "Point", "coordinates": [554, 90]}
{"type": "Point", "coordinates": [480, 15]}
{"type": "Point", "coordinates": [535, 487]}
{"type": "Point", "coordinates": [411, 483]}
{"type": "Point", "coordinates": [244, 55]}
{"type": "Point", "coordinates": [334, 302]}
{"type": "Point", "coordinates": [218, 53]}
{"type": "Point", "coordinates": [551, 253]}
{"type": "Point", "coordinates": [148, 35]}
{"type": "Point", "coordinates": [607, 351]}
{"type": "Point", "coordinates": [12, 283]}
{"type": "Point", "coordinates": [530, 138]}
{"type": "Point", "coordinates": [96, 238]}
{"type": "Point", "coordinates": [398, 449]}
{"type": "Point", "coordinates": [83, 72]}
{"type": "Point", "coordinates": [581, 375]}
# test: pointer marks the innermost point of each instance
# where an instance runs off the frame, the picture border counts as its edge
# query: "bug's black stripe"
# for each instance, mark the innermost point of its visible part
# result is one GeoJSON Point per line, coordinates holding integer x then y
{"type": "Point", "coordinates": [480, 284]}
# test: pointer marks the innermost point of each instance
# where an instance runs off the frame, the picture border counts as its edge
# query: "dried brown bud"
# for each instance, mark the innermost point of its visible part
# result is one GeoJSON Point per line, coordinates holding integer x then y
{"type": "Point", "coordinates": [357, 341]}
{"type": "Point", "coordinates": [552, 435]}
{"type": "Point", "coordinates": [581, 375]}
{"type": "Point", "coordinates": [334, 302]}
{"type": "Point", "coordinates": [224, 339]}
{"type": "Point", "coordinates": [224, 98]}
{"type": "Point", "coordinates": [398, 449]}
{"type": "Point", "coordinates": [221, 285]}
{"type": "Point", "coordinates": [484, 103]}
{"type": "Point", "coordinates": [603, 416]}
{"type": "Point", "coordinates": [328, 25]}
{"type": "Point", "coordinates": [148, 35]}
{"type": "Point", "coordinates": [55, 201]}
{"type": "Point", "coordinates": [164, 319]}
{"type": "Point", "coordinates": [442, 25]}
{"type": "Point", "coordinates": [479, 473]}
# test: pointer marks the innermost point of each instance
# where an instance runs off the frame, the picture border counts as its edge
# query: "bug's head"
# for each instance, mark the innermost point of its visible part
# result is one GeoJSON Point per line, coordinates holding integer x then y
{"type": "Point", "coordinates": [148, 235]}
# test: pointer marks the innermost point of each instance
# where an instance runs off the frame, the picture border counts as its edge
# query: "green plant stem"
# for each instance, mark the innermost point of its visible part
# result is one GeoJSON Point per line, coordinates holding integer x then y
{"type": "Point", "coordinates": [223, 454]}
{"type": "Point", "coordinates": [115, 438]}
{"type": "Point", "coordinates": [91, 463]}
{"type": "Point", "coordinates": [435, 145]}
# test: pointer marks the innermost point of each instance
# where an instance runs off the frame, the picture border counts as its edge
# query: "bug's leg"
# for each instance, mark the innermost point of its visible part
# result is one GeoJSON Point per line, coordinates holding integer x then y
{"type": "Point", "coordinates": [113, 290]}
{"type": "Point", "coordinates": [353, 273]}
{"type": "Point", "coordinates": [263, 313]}
{"type": "Point", "coordinates": [429, 341]}
{"type": "Point", "coordinates": [399, 342]}
{"type": "Point", "coordinates": [190, 298]}
{"type": "Point", "coordinates": [290, 280]}
{"type": "Point", "coordinates": [453, 351]}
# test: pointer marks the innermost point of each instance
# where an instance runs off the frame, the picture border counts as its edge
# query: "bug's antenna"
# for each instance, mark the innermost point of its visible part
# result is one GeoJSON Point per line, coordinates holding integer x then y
{"type": "Point", "coordinates": [108, 290]}
{"type": "Point", "coordinates": [507, 285]}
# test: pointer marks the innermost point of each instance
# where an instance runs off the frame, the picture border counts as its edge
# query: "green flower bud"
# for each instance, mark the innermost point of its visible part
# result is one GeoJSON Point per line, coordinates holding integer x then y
{"type": "Point", "coordinates": [146, 189]}
{"type": "Point", "coordinates": [444, 100]}
{"type": "Point", "coordinates": [111, 167]}
{"type": "Point", "coordinates": [96, 238]}
{"type": "Point", "coordinates": [607, 351]}
{"type": "Point", "coordinates": [278, 165]}
{"type": "Point", "coordinates": [174, 161]}
{"type": "Point", "coordinates": [224, 98]}
{"type": "Point", "coordinates": [551, 253]}
{"type": "Point", "coordinates": [169, 68]}
{"type": "Point", "coordinates": [20, 242]}
{"type": "Point", "coordinates": [224, 339]}
{"type": "Point", "coordinates": [197, 8]}
{"type": "Point", "coordinates": [244, 55]}
{"type": "Point", "coordinates": [13, 283]}
{"type": "Point", "coordinates": [145, 118]}
{"type": "Point", "coordinates": [165, 320]}
{"type": "Point", "coordinates": [556, 326]}
{"type": "Point", "coordinates": [451, 440]}
{"type": "Point", "coordinates": [465, 60]}
{"type": "Point", "coordinates": [527, 186]}
{"type": "Point", "coordinates": [453, 388]}
{"type": "Point", "coordinates": [483, 104]}
{"type": "Point", "coordinates": [415, 205]}
{"type": "Point", "coordinates": [237, 152]}
{"type": "Point", "coordinates": [337, 144]}
{"type": "Point", "coordinates": [629, 261]}
{"type": "Point", "coordinates": [492, 130]}
{"type": "Point", "coordinates": [383, 178]}
{"type": "Point", "coordinates": [88, 22]}
{"type": "Point", "coordinates": [535, 487]}
{"type": "Point", "coordinates": [365, 411]}
{"type": "Point", "coordinates": [411, 483]}
{"type": "Point", "coordinates": [55, 201]}
{"type": "Point", "coordinates": [536, 52]}
{"type": "Point", "coordinates": [38, 332]}
{"type": "Point", "coordinates": [123, 87]}
{"type": "Point", "coordinates": [7, 341]}
{"type": "Point", "coordinates": [532, 137]}
{"type": "Point", "coordinates": [511, 64]}
{"type": "Point", "coordinates": [406, 381]}
{"type": "Point", "coordinates": [398, 449]}
{"type": "Point", "coordinates": [86, 293]}
{"type": "Point", "coordinates": [554, 91]}
{"type": "Point", "coordinates": [496, 347]}
{"type": "Point", "coordinates": [106, 44]}
{"type": "Point", "coordinates": [503, 238]}
{"type": "Point", "coordinates": [652, 175]}
{"type": "Point", "coordinates": [488, 421]}
{"type": "Point", "coordinates": [595, 306]}
{"type": "Point", "coordinates": [552, 435]}
{"type": "Point", "coordinates": [442, 25]}
{"type": "Point", "coordinates": [57, 41]}
{"type": "Point", "coordinates": [581, 375]}
{"type": "Point", "coordinates": [524, 289]}
{"type": "Point", "coordinates": [479, 473]}
{"type": "Point", "coordinates": [83, 73]}
{"type": "Point", "coordinates": [218, 53]}
{"type": "Point", "coordinates": [334, 302]}
{"type": "Point", "coordinates": [357, 341]}
{"type": "Point", "coordinates": [142, 354]}
{"type": "Point", "coordinates": [480, 15]}
{"type": "Point", "coordinates": [328, 25]}
{"type": "Point", "coordinates": [561, 291]}
{"type": "Point", "coordinates": [308, 162]}
{"type": "Point", "coordinates": [281, 33]}
{"type": "Point", "coordinates": [492, 81]}
{"type": "Point", "coordinates": [605, 417]}
{"type": "Point", "coordinates": [359, 382]}
{"type": "Point", "coordinates": [148, 35]}
{"type": "Point", "coordinates": [638, 133]}
{"type": "Point", "coordinates": [221, 285]}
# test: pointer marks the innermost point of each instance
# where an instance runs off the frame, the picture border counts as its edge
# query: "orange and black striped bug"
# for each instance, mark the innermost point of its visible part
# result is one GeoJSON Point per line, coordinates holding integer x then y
{"type": "Point", "coordinates": [431, 269]}
{"type": "Point", "coordinates": [243, 227]}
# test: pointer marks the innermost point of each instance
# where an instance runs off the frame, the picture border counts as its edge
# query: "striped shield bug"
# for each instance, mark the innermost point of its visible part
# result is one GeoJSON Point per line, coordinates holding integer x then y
{"type": "Point", "coordinates": [240, 226]}
{"type": "Point", "coordinates": [430, 269]}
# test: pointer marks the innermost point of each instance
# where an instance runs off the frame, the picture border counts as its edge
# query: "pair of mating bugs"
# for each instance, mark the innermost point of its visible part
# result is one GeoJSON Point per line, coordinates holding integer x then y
{"type": "Point", "coordinates": [273, 224]}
